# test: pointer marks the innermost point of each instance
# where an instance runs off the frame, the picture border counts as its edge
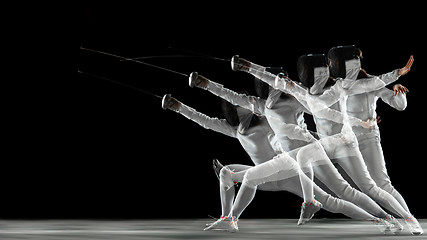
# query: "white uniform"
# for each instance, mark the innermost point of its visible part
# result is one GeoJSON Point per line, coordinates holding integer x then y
{"type": "Point", "coordinates": [306, 154]}
{"type": "Point", "coordinates": [363, 106]}
{"type": "Point", "coordinates": [255, 143]}
{"type": "Point", "coordinates": [284, 111]}
{"type": "Point", "coordinates": [353, 163]}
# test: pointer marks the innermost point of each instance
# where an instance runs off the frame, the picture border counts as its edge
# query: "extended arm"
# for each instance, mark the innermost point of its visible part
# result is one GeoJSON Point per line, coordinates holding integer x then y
{"type": "Point", "coordinates": [215, 124]}
{"type": "Point", "coordinates": [317, 102]}
{"type": "Point", "coordinates": [286, 85]}
{"type": "Point", "coordinates": [255, 104]}
{"type": "Point", "coordinates": [332, 95]}
{"type": "Point", "coordinates": [372, 84]}
{"type": "Point", "coordinates": [241, 64]}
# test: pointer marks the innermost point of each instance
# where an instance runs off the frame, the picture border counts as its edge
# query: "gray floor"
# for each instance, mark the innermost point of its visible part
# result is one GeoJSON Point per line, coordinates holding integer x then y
{"type": "Point", "coordinates": [193, 229]}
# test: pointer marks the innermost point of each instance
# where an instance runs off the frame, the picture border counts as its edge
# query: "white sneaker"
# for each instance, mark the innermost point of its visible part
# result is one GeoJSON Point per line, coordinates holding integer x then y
{"type": "Point", "coordinates": [224, 224]}
{"type": "Point", "coordinates": [220, 224]}
{"type": "Point", "coordinates": [383, 225]}
{"type": "Point", "coordinates": [396, 226]}
{"type": "Point", "coordinates": [414, 226]}
{"type": "Point", "coordinates": [233, 227]}
{"type": "Point", "coordinates": [308, 210]}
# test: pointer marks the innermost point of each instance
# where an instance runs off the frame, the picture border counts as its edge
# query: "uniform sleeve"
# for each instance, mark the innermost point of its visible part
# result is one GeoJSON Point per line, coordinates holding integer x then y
{"type": "Point", "coordinates": [362, 85]}
{"type": "Point", "coordinates": [337, 116]}
{"type": "Point", "coordinates": [344, 87]}
{"type": "Point", "coordinates": [255, 104]}
{"type": "Point", "coordinates": [369, 84]}
{"type": "Point", "coordinates": [215, 124]}
{"type": "Point", "coordinates": [390, 77]}
{"type": "Point", "coordinates": [398, 102]}
{"type": "Point", "coordinates": [283, 84]}
{"type": "Point", "coordinates": [260, 72]}
{"type": "Point", "coordinates": [302, 106]}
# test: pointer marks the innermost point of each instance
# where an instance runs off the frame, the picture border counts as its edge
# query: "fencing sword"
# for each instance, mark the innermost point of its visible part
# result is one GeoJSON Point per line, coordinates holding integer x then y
{"type": "Point", "coordinates": [159, 67]}
{"type": "Point", "coordinates": [133, 60]}
{"type": "Point", "coordinates": [121, 83]}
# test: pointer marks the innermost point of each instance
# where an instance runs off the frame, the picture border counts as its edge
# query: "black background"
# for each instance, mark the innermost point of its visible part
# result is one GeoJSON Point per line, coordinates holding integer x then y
{"type": "Point", "coordinates": [82, 147]}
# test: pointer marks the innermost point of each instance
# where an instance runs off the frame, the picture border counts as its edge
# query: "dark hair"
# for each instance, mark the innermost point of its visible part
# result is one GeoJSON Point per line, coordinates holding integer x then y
{"type": "Point", "coordinates": [230, 113]}
{"type": "Point", "coordinates": [362, 74]}
{"type": "Point", "coordinates": [330, 82]}
{"type": "Point", "coordinates": [255, 120]}
{"type": "Point", "coordinates": [261, 88]}
{"type": "Point", "coordinates": [306, 65]}
{"type": "Point", "coordinates": [337, 57]}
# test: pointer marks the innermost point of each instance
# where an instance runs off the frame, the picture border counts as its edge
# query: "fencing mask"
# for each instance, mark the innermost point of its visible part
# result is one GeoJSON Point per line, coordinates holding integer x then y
{"type": "Point", "coordinates": [313, 72]}
{"type": "Point", "coordinates": [345, 62]}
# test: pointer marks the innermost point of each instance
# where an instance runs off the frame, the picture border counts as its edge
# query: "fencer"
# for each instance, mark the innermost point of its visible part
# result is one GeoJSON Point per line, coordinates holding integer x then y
{"type": "Point", "coordinates": [324, 92]}
{"type": "Point", "coordinates": [363, 106]}
{"type": "Point", "coordinates": [258, 141]}
{"type": "Point", "coordinates": [307, 153]}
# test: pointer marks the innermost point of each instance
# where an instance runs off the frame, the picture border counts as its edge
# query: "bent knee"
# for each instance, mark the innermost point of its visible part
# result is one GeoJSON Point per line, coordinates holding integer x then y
{"type": "Point", "coordinates": [225, 178]}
